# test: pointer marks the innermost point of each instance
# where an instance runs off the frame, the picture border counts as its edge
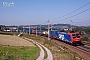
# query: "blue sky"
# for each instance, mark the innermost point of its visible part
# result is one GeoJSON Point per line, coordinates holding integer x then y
{"type": "Point", "coordinates": [28, 12]}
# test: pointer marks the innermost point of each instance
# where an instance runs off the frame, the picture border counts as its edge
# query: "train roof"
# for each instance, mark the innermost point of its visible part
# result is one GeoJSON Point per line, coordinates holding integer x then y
{"type": "Point", "coordinates": [54, 30]}
{"type": "Point", "coordinates": [63, 33]}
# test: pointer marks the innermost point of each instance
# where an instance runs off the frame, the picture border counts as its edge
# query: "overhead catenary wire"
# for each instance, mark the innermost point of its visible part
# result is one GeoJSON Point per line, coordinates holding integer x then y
{"type": "Point", "coordinates": [72, 15]}
{"type": "Point", "coordinates": [78, 20]}
{"type": "Point", "coordinates": [82, 22]}
{"type": "Point", "coordinates": [81, 19]}
{"type": "Point", "coordinates": [72, 11]}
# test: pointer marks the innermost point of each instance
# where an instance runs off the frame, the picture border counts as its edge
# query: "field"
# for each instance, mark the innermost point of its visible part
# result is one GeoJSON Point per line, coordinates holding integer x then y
{"type": "Point", "coordinates": [15, 48]}
{"type": "Point", "coordinates": [14, 41]}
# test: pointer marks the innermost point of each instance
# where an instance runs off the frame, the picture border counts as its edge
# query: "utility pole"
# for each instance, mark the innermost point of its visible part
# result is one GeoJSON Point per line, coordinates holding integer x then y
{"type": "Point", "coordinates": [71, 25]}
{"type": "Point", "coordinates": [23, 29]}
{"type": "Point", "coordinates": [17, 28]}
{"type": "Point", "coordinates": [40, 26]}
{"type": "Point", "coordinates": [51, 26]}
{"type": "Point", "coordinates": [86, 23]}
{"type": "Point", "coordinates": [29, 29]}
{"type": "Point", "coordinates": [36, 31]}
{"type": "Point", "coordinates": [48, 30]}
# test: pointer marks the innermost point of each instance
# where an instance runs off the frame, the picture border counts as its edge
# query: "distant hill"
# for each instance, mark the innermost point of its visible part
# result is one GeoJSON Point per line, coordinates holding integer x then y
{"type": "Point", "coordinates": [59, 26]}
{"type": "Point", "coordinates": [46, 26]}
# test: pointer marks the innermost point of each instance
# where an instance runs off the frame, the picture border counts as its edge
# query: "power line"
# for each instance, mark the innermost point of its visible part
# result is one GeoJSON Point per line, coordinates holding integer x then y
{"type": "Point", "coordinates": [82, 21]}
{"type": "Point", "coordinates": [69, 13]}
{"type": "Point", "coordinates": [79, 20]}
{"type": "Point", "coordinates": [72, 11]}
{"type": "Point", "coordinates": [74, 15]}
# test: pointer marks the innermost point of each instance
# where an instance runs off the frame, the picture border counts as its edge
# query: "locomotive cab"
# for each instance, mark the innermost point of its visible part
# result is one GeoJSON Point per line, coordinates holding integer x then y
{"type": "Point", "coordinates": [75, 37]}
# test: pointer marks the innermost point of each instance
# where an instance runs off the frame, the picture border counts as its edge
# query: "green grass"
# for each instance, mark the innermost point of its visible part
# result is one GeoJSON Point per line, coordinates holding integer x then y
{"type": "Point", "coordinates": [9, 33]}
{"type": "Point", "coordinates": [86, 39]}
{"type": "Point", "coordinates": [18, 53]}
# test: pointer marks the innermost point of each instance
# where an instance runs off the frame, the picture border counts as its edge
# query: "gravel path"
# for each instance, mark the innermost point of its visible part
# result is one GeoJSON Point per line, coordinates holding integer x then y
{"type": "Point", "coordinates": [50, 57]}
{"type": "Point", "coordinates": [41, 57]}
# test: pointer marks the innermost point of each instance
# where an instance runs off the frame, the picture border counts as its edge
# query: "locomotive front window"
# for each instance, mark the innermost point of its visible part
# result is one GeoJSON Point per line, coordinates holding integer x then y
{"type": "Point", "coordinates": [76, 35]}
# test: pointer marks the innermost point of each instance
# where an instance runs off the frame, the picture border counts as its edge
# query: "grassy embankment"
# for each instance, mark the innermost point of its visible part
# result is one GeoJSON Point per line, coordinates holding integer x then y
{"type": "Point", "coordinates": [86, 39]}
{"type": "Point", "coordinates": [58, 53]}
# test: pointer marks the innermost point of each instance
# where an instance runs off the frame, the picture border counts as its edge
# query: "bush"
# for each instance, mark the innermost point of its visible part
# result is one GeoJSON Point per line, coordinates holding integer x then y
{"type": "Point", "coordinates": [6, 33]}
{"type": "Point", "coordinates": [86, 39]}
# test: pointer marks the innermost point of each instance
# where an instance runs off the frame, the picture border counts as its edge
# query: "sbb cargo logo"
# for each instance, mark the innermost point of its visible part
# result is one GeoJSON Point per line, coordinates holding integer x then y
{"type": "Point", "coordinates": [61, 36]}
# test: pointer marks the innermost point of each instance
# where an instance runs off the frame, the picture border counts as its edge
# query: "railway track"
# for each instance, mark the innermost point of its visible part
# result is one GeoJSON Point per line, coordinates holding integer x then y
{"type": "Point", "coordinates": [86, 43]}
{"type": "Point", "coordinates": [84, 48]}
{"type": "Point", "coordinates": [82, 51]}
